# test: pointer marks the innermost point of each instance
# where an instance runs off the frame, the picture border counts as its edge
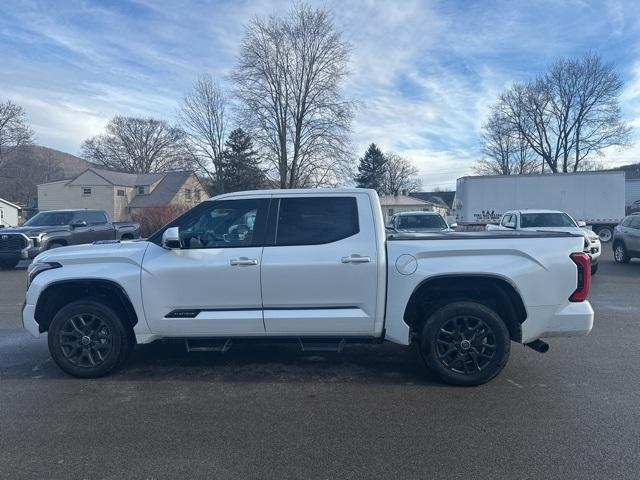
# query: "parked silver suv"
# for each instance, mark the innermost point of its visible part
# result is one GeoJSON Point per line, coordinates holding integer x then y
{"type": "Point", "coordinates": [626, 239]}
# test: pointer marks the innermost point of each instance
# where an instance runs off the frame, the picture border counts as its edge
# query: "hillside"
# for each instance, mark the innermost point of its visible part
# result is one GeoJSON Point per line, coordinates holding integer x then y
{"type": "Point", "coordinates": [631, 171]}
{"type": "Point", "coordinates": [24, 168]}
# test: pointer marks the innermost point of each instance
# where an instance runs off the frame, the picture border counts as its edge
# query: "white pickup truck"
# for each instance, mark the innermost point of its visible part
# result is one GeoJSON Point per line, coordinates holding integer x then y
{"type": "Point", "coordinates": [552, 221]}
{"type": "Point", "coordinates": [317, 267]}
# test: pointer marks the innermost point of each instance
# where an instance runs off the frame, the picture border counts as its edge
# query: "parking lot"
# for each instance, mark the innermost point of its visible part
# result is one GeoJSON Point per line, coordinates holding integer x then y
{"type": "Point", "coordinates": [270, 411]}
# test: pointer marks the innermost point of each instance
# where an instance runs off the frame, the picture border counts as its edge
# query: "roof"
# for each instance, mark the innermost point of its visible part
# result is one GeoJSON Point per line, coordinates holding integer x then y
{"type": "Point", "coordinates": [534, 210]}
{"type": "Point", "coordinates": [557, 174]}
{"type": "Point", "coordinates": [163, 193]}
{"type": "Point", "coordinates": [444, 198]}
{"type": "Point", "coordinates": [63, 210]}
{"type": "Point", "coordinates": [294, 191]}
{"type": "Point", "coordinates": [123, 179]}
{"type": "Point", "coordinates": [420, 212]}
{"type": "Point", "coordinates": [6, 202]}
{"type": "Point", "coordinates": [399, 200]}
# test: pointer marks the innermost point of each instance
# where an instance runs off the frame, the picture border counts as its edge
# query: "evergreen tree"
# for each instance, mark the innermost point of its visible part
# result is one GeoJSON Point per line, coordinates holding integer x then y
{"type": "Point", "coordinates": [241, 164]}
{"type": "Point", "coordinates": [372, 169]}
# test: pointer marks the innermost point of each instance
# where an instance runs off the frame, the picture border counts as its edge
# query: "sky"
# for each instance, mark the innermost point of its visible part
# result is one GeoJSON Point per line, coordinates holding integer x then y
{"type": "Point", "coordinates": [424, 73]}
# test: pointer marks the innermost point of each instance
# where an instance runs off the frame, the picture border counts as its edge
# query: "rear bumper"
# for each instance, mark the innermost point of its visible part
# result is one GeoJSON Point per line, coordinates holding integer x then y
{"type": "Point", "coordinates": [570, 320]}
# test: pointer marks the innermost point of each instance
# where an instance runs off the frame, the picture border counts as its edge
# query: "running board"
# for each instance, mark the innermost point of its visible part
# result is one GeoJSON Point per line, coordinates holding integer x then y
{"type": "Point", "coordinates": [321, 344]}
{"type": "Point", "coordinates": [208, 344]}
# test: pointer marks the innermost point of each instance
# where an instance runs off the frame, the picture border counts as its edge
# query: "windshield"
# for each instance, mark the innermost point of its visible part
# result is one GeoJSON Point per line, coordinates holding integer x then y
{"type": "Point", "coordinates": [50, 219]}
{"type": "Point", "coordinates": [535, 220]}
{"type": "Point", "coordinates": [421, 222]}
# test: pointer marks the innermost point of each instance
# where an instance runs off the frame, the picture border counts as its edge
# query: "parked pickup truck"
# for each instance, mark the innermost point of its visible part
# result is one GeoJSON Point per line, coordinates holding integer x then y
{"type": "Point", "coordinates": [552, 220]}
{"type": "Point", "coordinates": [59, 228]}
{"type": "Point", "coordinates": [315, 267]}
{"type": "Point", "coordinates": [417, 222]}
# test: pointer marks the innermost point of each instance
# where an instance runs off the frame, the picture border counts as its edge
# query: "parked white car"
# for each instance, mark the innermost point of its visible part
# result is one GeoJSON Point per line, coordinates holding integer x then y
{"type": "Point", "coordinates": [316, 267]}
{"type": "Point", "coordinates": [552, 221]}
{"type": "Point", "coordinates": [418, 222]}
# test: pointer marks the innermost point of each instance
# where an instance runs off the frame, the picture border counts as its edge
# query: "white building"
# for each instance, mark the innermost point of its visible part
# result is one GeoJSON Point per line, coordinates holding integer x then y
{"type": "Point", "coordinates": [121, 194]}
{"type": "Point", "coordinates": [392, 204]}
{"type": "Point", "coordinates": [9, 214]}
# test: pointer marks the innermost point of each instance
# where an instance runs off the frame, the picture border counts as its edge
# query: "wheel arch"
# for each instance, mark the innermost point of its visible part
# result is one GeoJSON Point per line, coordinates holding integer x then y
{"type": "Point", "coordinates": [57, 240]}
{"type": "Point", "coordinates": [61, 293]}
{"type": "Point", "coordinates": [492, 291]}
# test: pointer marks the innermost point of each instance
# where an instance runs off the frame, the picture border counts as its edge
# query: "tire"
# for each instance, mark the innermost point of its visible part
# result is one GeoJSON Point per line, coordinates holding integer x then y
{"type": "Point", "coordinates": [452, 350]}
{"type": "Point", "coordinates": [87, 339]}
{"type": "Point", "coordinates": [594, 268]}
{"type": "Point", "coordinates": [620, 254]}
{"type": "Point", "coordinates": [8, 264]}
{"type": "Point", "coordinates": [605, 234]}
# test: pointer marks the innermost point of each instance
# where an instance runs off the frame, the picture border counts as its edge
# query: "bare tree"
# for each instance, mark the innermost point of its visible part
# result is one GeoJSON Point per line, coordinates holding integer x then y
{"type": "Point", "coordinates": [505, 152]}
{"type": "Point", "coordinates": [14, 130]}
{"type": "Point", "coordinates": [288, 79]}
{"type": "Point", "coordinates": [569, 114]}
{"type": "Point", "coordinates": [203, 119]}
{"type": "Point", "coordinates": [400, 175]}
{"type": "Point", "coordinates": [137, 145]}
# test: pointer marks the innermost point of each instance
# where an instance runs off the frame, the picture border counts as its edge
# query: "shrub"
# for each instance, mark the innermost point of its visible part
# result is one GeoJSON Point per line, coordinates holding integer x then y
{"type": "Point", "coordinates": [152, 219]}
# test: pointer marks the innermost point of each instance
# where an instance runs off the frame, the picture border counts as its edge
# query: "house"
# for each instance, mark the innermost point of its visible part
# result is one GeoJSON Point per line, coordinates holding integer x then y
{"type": "Point", "coordinates": [121, 195]}
{"type": "Point", "coordinates": [9, 214]}
{"type": "Point", "coordinates": [392, 204]}
{"type": "Point", "coordinates": [444, 198]}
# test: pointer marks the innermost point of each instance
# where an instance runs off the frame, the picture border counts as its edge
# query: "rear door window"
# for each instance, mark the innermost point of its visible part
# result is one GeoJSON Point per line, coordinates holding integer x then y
{"type": "Point", "coordinates": [96, 218]}
{"type": "Point", "coordinates": [316, 220]}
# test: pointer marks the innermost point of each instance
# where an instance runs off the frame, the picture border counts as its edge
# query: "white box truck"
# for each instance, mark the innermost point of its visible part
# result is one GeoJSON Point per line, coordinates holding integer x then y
{"type": "Point", "coordinates": [597, 198]}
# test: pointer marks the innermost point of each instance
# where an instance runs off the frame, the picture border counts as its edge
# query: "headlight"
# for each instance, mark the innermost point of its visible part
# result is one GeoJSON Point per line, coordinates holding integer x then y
{"type": "Point", "coordinates": [36, 268]}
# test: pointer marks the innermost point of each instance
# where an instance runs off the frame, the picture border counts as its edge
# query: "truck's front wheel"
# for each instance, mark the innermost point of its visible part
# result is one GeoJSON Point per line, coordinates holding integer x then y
{"type": "Point", "coordinates": [87, 339]}
{"type": "Point", "coordinates": [465, 343]}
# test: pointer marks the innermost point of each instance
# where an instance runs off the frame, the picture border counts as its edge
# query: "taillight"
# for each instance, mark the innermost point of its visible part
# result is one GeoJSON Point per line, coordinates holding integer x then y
{"type": "Point", "coordinates": [583, 262]}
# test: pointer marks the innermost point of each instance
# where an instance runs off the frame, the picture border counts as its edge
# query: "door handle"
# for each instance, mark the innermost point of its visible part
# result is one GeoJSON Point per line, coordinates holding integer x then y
{"type": "Point", "coordinates": [355, 258]}
{"type": "Point", "coordinates": [243, 261]}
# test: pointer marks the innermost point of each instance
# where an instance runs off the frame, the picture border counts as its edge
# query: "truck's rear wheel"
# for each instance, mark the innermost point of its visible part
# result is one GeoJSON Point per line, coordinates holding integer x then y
{"type": "Point", "coordinates": [465, 343]}
{"type": "Point", "coordinates": [605, 234]}
{"type": "Point", "coordinates": [87, 339]}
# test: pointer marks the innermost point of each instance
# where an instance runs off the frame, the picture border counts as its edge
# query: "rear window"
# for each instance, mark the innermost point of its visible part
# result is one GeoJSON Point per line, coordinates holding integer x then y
{"type": "Point", "coordinates": [417, 222]}
{"type": "Point", "coordinates": [536, 220]}
{"type": "Point", "coordinates": [314, 221]}
{"type": "Point", "coordinates": [95, 218]}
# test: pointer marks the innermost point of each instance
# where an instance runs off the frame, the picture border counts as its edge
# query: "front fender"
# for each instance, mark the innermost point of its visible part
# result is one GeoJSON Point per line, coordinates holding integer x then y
{"type": "Point", "coordinates": [117, 263]}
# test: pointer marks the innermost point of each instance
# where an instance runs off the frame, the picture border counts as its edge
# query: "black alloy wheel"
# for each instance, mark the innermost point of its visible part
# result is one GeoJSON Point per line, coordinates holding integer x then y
{"type": "Point", "coordinates": [87, 338]}
{"type": "Point", "coordinates": [465, 343]}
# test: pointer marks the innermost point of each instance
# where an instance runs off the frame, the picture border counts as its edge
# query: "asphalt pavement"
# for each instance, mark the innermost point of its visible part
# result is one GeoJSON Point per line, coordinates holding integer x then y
{"type": "Point", "coordinates": [273, 412]}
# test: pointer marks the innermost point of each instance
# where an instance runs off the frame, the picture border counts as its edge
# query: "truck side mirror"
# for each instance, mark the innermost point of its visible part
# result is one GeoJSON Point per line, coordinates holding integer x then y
{"type": "Point", "coordinates": [78, 224]}
{"type": "Point", "coordinates": [582, 224]}
{"type": "Point", "coordinates": [511, 224]}
{"type": "Point", "coordinates": [453, 226]}
{"type": "Point", "coordinates": [171, 238]}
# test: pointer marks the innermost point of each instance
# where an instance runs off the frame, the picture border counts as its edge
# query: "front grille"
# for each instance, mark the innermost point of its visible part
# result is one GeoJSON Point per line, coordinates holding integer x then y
{"type": "Point", "coordinates": [12, 242]}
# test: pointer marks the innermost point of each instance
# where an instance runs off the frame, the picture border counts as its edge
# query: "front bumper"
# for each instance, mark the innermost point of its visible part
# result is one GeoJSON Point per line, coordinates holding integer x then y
{"type": "Point", "coordinates": [29, 320]}
{"type": "Point", "coordinates": [33, 252]}
{"type": "Point", "coordinates": [569, 320]}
